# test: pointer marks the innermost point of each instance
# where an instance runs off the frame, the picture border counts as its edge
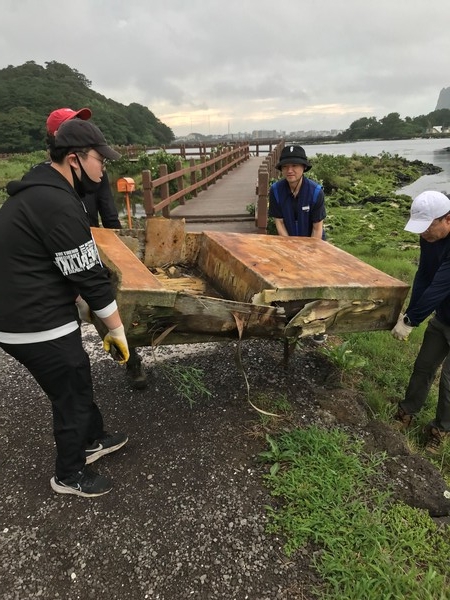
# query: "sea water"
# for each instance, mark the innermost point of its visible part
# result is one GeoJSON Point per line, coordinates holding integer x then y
{"type": "Point", "coordinates": [434, 150]}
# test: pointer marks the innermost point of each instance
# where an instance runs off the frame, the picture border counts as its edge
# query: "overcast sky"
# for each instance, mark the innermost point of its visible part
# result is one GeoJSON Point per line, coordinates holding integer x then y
{"type": "Point", "coordinates": [218, 66]}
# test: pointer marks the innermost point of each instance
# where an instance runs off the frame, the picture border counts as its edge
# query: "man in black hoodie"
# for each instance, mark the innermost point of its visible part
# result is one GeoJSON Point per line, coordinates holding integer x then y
{"type": "Point", "coordinates": [99, 203]}
{"type": "Point", "coordinates": [51, 268]}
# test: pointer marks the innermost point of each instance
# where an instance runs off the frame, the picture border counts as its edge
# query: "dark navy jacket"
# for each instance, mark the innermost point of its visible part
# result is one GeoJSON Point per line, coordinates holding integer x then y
{"type": "Point", "coordinates": [431, 286]}
{"type": "Point", "coordinates": [101, 203]}
{"type": "Point", "coordinates": [298, 214]}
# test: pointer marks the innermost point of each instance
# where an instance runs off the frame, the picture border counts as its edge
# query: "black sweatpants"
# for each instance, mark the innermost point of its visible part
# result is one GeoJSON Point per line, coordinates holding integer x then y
{"type": "Point", "coordinates": [62, 369]}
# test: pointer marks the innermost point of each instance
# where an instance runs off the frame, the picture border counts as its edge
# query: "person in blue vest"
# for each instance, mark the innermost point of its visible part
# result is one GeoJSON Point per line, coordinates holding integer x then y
{"type": "Point", "coordinates": [296, 203]}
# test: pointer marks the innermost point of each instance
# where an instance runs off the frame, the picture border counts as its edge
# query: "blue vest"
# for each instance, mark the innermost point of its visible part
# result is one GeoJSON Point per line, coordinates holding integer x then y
{"type": "Point", "coordinates": [297, 219]}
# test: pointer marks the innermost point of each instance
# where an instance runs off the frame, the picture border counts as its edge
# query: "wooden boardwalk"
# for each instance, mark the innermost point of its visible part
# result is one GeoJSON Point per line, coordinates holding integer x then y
{"type": "Point", "coordinates": [222, 207]}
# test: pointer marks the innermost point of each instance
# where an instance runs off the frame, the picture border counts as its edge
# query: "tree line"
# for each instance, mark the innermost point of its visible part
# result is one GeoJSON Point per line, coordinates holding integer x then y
{"type": "Point", "coordinates": [29, 92]}
{"type": "Point", "coordinates": [392, 126]}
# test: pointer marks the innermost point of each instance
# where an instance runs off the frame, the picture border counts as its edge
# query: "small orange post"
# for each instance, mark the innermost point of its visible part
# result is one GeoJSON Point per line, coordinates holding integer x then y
{"type": "Point", "coordinates": [126, 185]}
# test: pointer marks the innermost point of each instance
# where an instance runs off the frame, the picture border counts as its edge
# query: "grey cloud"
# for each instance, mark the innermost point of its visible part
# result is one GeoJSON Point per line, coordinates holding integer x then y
{"type": "Point", "coordinates": [232, 57]}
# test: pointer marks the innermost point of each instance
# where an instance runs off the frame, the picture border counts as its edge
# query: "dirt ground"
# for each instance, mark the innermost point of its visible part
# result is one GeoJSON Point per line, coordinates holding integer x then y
{"type": "Point", "coordinates": [186, 518]}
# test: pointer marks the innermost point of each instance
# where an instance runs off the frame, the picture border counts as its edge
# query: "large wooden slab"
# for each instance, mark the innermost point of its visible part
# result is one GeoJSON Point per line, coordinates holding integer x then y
{"type": "Point", "coordinates": [254, 286]}
{"type": "Point", "coordinates": [131, 273]}
{"type": "Point", "coordinates": [135, 285]}
{"type": "Point", "coordinates": [265, 269]}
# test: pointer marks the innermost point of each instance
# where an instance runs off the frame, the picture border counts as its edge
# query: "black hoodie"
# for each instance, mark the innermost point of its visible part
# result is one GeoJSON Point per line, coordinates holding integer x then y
{"type": "Point", "coordinates": [47, 255]}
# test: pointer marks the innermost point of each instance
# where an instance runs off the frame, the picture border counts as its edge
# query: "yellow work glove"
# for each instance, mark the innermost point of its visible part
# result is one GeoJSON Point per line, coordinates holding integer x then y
{"type": "Point", "coordinates": [401, 330]}
{"type": "Point", "coordinates": [116, 344]}
{"type": "Point", "coordinates": [84, 312]}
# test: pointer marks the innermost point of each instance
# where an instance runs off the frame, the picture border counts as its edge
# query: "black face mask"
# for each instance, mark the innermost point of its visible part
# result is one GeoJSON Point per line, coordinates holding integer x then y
{"type": "Point", "coordinates": [83, 185]}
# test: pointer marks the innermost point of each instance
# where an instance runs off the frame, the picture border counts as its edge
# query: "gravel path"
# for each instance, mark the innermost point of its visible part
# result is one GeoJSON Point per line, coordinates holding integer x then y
{"type": "Point", "coordinates": [186, 517]}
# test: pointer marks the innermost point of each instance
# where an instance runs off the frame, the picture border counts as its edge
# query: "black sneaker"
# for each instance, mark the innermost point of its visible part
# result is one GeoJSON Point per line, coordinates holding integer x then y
{"type": "Point", "coordinates": [84, 483]}
{"type": "Point", "coordinates": [110, 442]}
{"type": "Point", "coordinates": [319, 338]}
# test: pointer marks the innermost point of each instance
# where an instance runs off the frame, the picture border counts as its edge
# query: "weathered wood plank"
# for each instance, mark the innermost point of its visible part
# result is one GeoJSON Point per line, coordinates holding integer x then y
{"type": "Point", "coordinates": [272, 287]}
{"type": "Point", "coordinates": [201, 318]}
{"type": "Point", "coordinates": [164, 242]}
{"type": "Point", "coordinates": [266, 269]}
{"type": "Point", "coordinates": [130, 272]}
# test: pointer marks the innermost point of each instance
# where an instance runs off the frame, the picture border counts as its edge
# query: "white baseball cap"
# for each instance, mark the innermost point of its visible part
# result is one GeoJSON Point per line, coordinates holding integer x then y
{"type": "Point", "coordinates": [426, 207]}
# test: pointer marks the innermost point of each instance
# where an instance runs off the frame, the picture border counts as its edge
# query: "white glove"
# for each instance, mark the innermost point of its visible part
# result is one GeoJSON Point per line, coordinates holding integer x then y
{"type": "Point", "coordinates": [84, 312]}
{"type": "Point", "coordinates": [401, 331]}
{"type": "Point", "coordinates": [116, 344]}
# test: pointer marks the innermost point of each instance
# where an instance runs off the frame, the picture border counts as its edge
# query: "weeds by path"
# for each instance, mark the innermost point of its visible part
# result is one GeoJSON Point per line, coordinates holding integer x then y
{"type": "Point", "coordinates": [368, 547]}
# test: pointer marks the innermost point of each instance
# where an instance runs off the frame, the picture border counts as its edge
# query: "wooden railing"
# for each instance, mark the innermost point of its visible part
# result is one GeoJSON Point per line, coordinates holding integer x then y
{"type": "Point", "coordinates": [256, 148]}
{"type": "Point", "coordinates": [190, 149]}
{"type": "Point", "coordinates": [266, 173]}
{"type": "Point", "coordinates": [211, 169]}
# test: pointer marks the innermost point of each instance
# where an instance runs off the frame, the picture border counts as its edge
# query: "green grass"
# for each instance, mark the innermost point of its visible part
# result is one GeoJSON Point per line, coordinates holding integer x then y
{"type": "Point", "coordinates": [15, 167]}
{"type": "Point", "coordinates": [343, 357]}
{"type": "Point", "coordinates": [18, 164]}
{"type": "Point", "coordinates": [187, 381]}
{"type": "Point", "coordinates": [273, 410]}
{"type": "Point", "coordinates": [366, 545]}
{"type": "Point", "coordinates": [323, 485]}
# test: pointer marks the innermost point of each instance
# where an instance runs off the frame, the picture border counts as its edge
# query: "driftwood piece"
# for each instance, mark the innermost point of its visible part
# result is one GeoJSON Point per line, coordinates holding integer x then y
{"type": "Point", "coordinates": [270, 286]}
{"type": "Point", "coordinates": [204, 319]}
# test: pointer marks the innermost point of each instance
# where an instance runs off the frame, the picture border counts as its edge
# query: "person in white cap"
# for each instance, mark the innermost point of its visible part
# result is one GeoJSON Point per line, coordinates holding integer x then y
{"type": "Point", "coordinates": [430, 218]}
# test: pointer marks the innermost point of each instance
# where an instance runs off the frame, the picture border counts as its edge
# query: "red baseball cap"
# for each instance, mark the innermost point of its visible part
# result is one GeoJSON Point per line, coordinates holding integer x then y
{"type": "Point", "coordinates": [60, 115]}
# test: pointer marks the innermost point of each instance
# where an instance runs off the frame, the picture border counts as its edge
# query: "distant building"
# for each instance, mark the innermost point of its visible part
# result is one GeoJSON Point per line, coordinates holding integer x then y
{"type": "Point", "coordinates": [437, 130]}
{"type": "Point", "coordinates": [195, 137]}
{"type": "Point", "coordinates": [266, 134]}
{"type": "Point", "coordinates": [257, 134]}
{"type": "Point", "coordinates": [313, 133]}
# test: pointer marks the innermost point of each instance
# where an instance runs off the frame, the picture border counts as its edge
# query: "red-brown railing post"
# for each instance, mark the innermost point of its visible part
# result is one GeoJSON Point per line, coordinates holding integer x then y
{"type": "Point", "coordinates": [219, 163]}
{"type": "Point", "coordinates": [148, 193]}
{"type": "Point", "coordinates": [203, 171]}
{"type": "Point", "coordinates": [214, 167]}
{"type": "Point", "coordinates": [163, 172]}
{"type": "Point", "coordinates": [193, 177]}
{"type": "Point", "coordinates": [227, 160]}
{"type": "Point", "coordinates": [244, 153]}
{"type": "Point", "coordinates": [263, 198]}
{"type": "Point", "coordinates": [180, 181]}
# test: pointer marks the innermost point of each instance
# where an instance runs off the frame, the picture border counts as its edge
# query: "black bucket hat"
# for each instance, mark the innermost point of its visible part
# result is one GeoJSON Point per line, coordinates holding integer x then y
{"type": "Point", "coordinates": [293, 155]}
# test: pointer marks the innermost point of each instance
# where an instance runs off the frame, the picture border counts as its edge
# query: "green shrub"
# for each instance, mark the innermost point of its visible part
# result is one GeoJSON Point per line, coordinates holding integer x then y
{"type": "Point", "coordinates": [329, 496]}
